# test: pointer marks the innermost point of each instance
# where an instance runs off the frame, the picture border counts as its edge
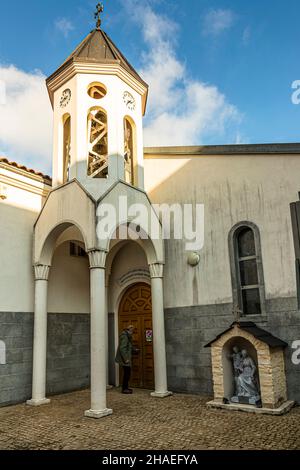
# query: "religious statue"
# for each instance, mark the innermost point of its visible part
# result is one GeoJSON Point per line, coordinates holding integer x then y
{"type": "Point", "coordinates": [247, 389]}
{"type": "Point", "coordinates": [236, 357]}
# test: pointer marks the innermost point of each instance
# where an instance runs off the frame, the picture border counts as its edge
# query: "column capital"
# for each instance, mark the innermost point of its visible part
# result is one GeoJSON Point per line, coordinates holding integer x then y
{"type": "Point", "coordinates": [156, 270]}
{"type": "Point", "coordinates": [41, 272]}
{"type": "Point", "coordinates": [97, 259]}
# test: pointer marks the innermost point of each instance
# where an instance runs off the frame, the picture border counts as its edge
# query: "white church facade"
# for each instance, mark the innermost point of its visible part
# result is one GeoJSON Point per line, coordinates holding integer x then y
{"type": "Point", "coordinates": [67, 291]}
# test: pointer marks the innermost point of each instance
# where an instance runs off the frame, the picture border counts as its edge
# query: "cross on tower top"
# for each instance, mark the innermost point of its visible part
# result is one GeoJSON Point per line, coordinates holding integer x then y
{"type": "Point", "coordinates": [100, 9]}
{"type": "Point", "coordinates": [237, 313]}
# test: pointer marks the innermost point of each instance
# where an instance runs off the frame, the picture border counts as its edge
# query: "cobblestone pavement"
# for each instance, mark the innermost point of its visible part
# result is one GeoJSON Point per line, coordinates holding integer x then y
{"type": "Point", "coordinates": [141, 422]}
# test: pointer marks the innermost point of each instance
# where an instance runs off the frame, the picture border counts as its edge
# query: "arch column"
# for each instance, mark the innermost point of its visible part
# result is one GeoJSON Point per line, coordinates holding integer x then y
{"type": "Point", "coordinates": [98, 336]}
{"type": "Point", "coordinates": [159, 340]}
{"type": "Point", "coordinates": [40, 337]}
{"type": "Point", "coordinates": [107, 276]}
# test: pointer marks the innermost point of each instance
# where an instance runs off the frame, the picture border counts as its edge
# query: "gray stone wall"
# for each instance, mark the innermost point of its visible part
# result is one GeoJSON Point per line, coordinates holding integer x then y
{"type": "Point", "coordinates": [16, 330]}
{"type": "Point", "coordinates": [189, 329]}
{"type": "Point", "coordinates": [68, 355]}
{"type": "Point", "coordinates": [68, 352]}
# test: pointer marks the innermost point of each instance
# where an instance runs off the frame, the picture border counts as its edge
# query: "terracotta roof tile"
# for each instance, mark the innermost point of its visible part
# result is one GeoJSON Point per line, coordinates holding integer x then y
{"type": "Point", "coordinates": [24, 168]}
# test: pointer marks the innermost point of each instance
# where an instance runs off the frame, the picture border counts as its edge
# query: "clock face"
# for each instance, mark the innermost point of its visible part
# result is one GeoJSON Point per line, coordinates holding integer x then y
{"type": "Point", "coordinates": [65, 98]}
{"type": "Point", "coordinates": [129, 100]}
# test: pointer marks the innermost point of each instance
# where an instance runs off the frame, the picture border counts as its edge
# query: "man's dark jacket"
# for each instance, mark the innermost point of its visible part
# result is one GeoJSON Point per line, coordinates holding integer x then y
{"type": "Point", "coordinates": [124, 352]}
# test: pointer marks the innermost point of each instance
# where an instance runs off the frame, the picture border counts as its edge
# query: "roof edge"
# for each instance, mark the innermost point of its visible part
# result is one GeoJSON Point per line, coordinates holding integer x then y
{"type": "Point", "coordinates": [231, 149]}
{"type": "Point", "coordinates": [251, 328]}
{"type": "Point", "coordinates": [46, 178]}
{"type": "Point", "coordinates": [115, 51]}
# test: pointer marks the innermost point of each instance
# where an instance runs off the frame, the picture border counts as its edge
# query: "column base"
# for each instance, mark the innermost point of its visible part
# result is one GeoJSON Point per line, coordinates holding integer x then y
{"type": "Point", "coordinates": [98, 414]}
{"type": "Point", "coordinates": [109, 387]}
{"type": "Point", "coordinates": [161, 394]}
{"type": "Point", "coordinates": [33, 402]}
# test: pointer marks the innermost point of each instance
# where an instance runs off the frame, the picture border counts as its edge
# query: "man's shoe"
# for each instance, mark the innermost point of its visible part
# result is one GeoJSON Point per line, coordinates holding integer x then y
{"type": "Point", "coordinates": [127, 392]}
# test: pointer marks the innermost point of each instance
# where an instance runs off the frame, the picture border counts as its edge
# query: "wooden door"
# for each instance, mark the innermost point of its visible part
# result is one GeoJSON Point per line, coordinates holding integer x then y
{"type": "Point", "coordinates": [136, 309]}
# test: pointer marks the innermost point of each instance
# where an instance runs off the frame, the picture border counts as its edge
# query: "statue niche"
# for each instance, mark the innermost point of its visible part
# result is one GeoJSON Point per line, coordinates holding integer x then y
{"type": "Point", "coordinates": [246, 386]}
{"type": "Point", "coordinates": [248, 369]}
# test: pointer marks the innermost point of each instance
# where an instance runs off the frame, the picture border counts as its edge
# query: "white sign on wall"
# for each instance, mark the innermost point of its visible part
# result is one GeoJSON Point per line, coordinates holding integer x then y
{"type": "Point", "coordinates": [2, 353]}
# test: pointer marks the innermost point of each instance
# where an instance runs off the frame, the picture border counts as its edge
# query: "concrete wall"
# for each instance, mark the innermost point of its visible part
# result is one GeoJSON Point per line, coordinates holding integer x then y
{"type": "Point", "coordinates": [233, 188]}
{"type": "Point", "coordinates": [16, 273]}
{"type": "Point", "coordinates": [69, 282]}
{"type": "Point", "coordinates": [255, 188]}
{"type": "Point", "coordinates": [18, 213]}
{"type": "Point", "coordinates": [68, 361]}
{"type": "Point", "coordinates": [16, 330]}
{"type": "Point", "coordinates": [189, 329]}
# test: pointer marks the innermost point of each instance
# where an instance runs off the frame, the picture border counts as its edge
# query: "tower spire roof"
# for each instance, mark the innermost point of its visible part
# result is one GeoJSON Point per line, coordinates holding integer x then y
{"type": "Point", "coordinates": [98, 48]}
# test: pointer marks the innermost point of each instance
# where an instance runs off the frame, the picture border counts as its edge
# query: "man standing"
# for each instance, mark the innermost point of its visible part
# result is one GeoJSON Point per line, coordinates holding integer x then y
{"type": "Point", "coordinates": [124, 357]}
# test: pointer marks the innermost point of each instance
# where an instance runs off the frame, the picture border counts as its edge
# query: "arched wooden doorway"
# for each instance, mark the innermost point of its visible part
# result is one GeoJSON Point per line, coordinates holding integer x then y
{"type": "Point", "coordinates": [136, 309]}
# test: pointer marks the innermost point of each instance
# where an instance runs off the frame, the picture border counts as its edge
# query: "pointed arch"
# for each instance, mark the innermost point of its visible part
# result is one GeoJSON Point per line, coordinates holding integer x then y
{"type": "Point", "coordinates": [130, 151]}
{"type": "Point", "coordinates": [66, 146]}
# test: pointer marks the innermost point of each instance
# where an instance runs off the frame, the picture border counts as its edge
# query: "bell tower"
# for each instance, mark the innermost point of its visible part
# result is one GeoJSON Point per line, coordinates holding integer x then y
{"type": "Point", "coordinates": [98, 102]}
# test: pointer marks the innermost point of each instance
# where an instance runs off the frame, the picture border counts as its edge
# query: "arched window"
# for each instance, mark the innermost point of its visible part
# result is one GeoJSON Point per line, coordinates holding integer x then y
{"type": "Point", "coordinates": [97, 91]}
{"type": "Point", "coordinates": [97, 143]}
{"type": "Point", "coordinates": [129, 150]}
{"type": "Point", "coordinates": [246, 269]}
{"type": "Point", "coordinates": [67, 147]}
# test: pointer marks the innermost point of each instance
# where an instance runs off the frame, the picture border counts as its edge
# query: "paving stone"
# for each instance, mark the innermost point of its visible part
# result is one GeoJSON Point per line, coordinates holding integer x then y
{"type": "Point", "coordinates": [180, 422]}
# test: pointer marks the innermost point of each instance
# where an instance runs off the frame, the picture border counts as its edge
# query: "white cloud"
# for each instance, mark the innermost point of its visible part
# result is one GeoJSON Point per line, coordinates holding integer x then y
{"type": "Point", "coordinates": [26, 118]}
{"type": "Point", "coordinates": [241, 139]}
{"type": "Point", "coordinates": [64, 26]}
{"type": "Point", "coordinates": [181, 110]}
{"type": "Point", "coordinates": [246, 35]}
{"type": "Point", "coordinates": [217, 21]}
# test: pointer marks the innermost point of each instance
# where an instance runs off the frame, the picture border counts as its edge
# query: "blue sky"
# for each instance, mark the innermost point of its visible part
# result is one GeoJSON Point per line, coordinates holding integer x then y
{"type": "Point", "coordinates": [238, 58]}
